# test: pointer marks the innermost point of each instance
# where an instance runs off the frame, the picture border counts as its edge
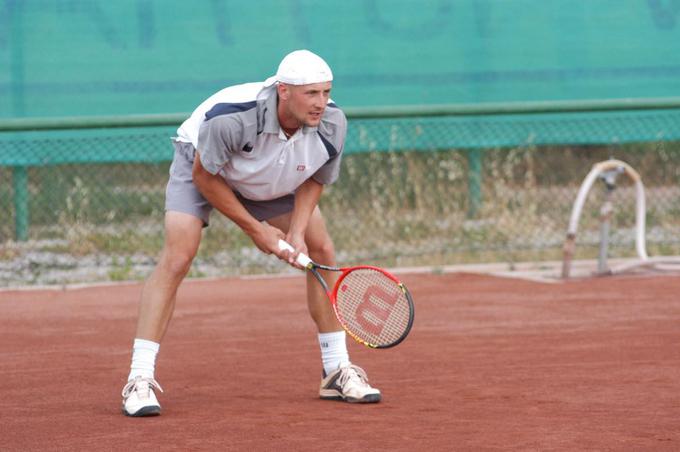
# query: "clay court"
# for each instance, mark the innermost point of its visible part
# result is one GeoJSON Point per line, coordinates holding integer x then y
{"type": "Point", "coordinates": [491, 364]}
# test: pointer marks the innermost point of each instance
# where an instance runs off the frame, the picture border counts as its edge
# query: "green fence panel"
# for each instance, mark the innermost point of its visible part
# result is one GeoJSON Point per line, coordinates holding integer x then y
{"type": "Point", "coordinates": [100, 140]}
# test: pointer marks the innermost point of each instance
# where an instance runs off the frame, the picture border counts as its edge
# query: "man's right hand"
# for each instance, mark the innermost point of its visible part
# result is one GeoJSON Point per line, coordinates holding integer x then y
{"type": "Point", "coordinates": [267, 237]}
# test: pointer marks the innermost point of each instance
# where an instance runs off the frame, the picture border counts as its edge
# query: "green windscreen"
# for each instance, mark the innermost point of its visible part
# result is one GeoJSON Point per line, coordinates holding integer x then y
{"type": "Point", "coordinates": [96, 57]}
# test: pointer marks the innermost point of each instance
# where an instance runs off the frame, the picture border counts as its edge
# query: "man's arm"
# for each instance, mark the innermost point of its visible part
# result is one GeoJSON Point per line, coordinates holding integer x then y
{"type": "Point", "coordinates": [222, 198]}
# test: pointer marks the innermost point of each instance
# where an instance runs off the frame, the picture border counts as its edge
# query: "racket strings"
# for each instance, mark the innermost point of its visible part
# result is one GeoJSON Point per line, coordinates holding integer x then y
{"type": "Point", "coordinates": [374, 306]}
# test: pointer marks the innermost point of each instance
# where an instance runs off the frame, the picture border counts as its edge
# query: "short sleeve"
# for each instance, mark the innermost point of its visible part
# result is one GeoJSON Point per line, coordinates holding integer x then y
{"type": "Point", "coordinates": [329, 172]}
{"type": "Point", "coordinates": [332, 133]}
{"type": "Point", "coordinates": [217, 138]}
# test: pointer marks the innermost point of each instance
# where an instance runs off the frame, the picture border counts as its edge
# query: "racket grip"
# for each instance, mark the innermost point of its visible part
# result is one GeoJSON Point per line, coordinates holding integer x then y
{"type": "Point", "coordinates": [301, 258]}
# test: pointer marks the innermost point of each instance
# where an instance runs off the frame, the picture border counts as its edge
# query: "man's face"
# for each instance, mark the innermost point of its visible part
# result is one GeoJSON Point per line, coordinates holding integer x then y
{"type": "Point", "coordinates": [305, 103]}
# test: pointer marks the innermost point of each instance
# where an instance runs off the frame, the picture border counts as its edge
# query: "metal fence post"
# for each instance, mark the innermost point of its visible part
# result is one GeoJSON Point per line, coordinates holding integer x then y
{"type": "Point", "coordinates": [474, 157]}
{"type": "Point", "coordinates": [21, 212]}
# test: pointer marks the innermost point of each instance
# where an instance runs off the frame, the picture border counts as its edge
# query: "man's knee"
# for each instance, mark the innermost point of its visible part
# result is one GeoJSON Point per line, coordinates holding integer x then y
{"type": "Point", "coordinates": [177, 261]}
{"type": "Point", "coordinates": [323, 251]}
{"type": "Point", "coordinates": [182, 237]}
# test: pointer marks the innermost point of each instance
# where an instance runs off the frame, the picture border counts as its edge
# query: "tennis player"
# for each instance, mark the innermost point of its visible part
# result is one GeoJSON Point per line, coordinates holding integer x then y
{"type": "Point", "coordinates": [259, 153]}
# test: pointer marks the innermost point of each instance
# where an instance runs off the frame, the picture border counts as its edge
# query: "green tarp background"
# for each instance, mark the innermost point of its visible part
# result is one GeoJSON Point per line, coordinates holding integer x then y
{"type": "Point", "coordinates": [97, 57]}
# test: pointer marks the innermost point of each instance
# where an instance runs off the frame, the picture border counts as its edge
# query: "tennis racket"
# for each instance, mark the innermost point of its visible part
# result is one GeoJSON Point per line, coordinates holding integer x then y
{"type": "Point", "coordinates": [371, 304]}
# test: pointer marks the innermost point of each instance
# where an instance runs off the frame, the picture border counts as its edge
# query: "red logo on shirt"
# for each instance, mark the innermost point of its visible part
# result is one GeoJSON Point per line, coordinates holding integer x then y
{"type": "Point", "coordinates": [301, 167]}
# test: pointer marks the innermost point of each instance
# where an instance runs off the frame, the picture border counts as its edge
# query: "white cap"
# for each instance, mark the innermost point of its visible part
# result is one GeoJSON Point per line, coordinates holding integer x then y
{"type": "Point", "coordinates": [301, 67]}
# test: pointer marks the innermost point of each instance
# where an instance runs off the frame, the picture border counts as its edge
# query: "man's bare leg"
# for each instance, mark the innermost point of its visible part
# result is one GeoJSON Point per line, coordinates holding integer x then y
{"type": "Point", "coordinates": [342, 380]}
{"type": "Point", "coordinates": [320, 248]}
{"type": "Point", "coordinates": [182, 237]}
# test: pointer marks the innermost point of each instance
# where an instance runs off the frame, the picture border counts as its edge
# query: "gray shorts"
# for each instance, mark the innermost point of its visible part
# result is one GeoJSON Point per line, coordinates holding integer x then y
{"type": "Point", "coordinates": [181, 195]}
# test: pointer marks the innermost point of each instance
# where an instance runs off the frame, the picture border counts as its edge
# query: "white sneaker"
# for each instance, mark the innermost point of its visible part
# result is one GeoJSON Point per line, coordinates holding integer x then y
{"type": "Point", "coordinates": [139, 398]}
{"type": "Point", "coordinates": [350, 384]}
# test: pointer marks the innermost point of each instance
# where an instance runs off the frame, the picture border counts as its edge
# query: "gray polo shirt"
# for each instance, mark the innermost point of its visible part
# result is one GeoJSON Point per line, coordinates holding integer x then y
{"type": "Point", "coordinates": [238, 135]}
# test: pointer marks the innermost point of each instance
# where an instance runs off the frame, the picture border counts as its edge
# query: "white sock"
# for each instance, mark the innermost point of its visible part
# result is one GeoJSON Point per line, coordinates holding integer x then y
{"type": "Point", "coordinates": [143, 358]}
{"type": "Point", "coordinates": [333, 350]}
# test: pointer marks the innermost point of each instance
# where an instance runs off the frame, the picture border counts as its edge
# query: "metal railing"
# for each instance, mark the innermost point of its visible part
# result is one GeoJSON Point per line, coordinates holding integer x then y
{"type": "Point", "coordinates": [23, 159]}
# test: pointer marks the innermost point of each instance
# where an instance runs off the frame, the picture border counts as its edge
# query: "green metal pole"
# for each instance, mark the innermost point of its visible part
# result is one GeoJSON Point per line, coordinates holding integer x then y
{"type": "Point", "coordinates": [474, 157]}
{"type": "Point", "coordinates": [21, 212]}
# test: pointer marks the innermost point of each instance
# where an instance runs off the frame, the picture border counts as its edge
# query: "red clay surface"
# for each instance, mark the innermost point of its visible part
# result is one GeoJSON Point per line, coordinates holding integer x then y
{"type": "Point", "coordinates": [491, 364]}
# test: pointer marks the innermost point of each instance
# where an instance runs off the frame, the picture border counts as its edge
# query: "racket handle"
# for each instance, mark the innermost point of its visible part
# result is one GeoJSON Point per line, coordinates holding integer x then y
{"type": "Point", "coordinates": [302, 259]}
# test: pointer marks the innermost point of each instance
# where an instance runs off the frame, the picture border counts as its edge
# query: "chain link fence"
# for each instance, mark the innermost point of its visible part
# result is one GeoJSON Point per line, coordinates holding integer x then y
{"type": "Point", "coordinates": [87, 205]}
